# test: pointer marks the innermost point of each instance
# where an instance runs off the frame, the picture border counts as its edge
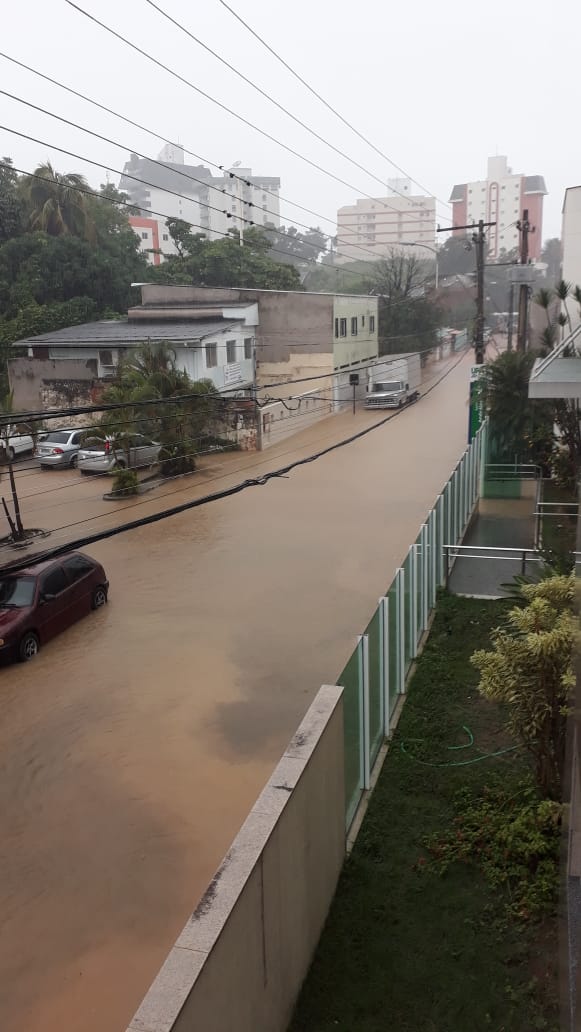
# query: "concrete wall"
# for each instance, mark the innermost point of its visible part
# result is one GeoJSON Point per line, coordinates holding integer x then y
{"type": "Point", "coordinates": [241, 959]}
{"type": "Point", "coordinates": [38, 383]}
{"type": "Point", "coordinates": [572, 245]}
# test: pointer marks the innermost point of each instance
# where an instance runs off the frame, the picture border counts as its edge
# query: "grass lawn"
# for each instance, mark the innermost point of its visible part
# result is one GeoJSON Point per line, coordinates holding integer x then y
{"type": "Point", "coordinates": [406, 949]}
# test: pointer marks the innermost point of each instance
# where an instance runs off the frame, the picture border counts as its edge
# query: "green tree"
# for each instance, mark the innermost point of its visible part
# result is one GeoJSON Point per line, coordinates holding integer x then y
{"type": "Point", "coordinates": [56, 203]}
{"type": "Point", "coordinates": [518, 426]}
{"type": "Point", "coordinates": [530, 669]}
{"type": "Point", "coordinates": [456, 257]}
{"type": "Point", "coordinates": [551, 256]}
{"type": "Point", "coordinates": [12, 212]}
{"type": "Point", "coordinates": [408, 320]}
{"type": "Point", "coordinates": [298, 248]}
{"type": "Point", "coordinates": [219, 263]}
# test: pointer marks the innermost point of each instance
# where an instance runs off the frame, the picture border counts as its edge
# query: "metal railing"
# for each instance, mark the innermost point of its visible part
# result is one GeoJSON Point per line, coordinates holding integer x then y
{"type": "Point", "coordinates": [374, 678]}
{"type": "Point", "coordinates": [539, 367]}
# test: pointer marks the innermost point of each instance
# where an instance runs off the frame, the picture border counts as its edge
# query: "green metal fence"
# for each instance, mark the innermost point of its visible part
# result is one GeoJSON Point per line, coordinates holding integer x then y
{"type": "Point", "coordinates": [375, 676]}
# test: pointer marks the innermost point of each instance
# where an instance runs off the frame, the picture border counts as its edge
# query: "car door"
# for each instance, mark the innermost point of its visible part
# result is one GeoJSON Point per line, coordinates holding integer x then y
{"type": "Point", "coordinates": [147, 452]}
{"type": "Point", "coordinates": [79, 570]}
{"type": "Point", "coordinates": [53, 602]}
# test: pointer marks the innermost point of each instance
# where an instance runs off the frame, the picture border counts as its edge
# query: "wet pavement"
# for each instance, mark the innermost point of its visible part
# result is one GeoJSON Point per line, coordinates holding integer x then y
{"type": "Point", "coordinates": [133, 746]}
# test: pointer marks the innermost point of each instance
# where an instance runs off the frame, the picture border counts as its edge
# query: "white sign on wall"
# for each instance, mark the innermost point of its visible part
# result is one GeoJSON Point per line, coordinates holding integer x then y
{"type": "Point", "coordinates": [232, 373]}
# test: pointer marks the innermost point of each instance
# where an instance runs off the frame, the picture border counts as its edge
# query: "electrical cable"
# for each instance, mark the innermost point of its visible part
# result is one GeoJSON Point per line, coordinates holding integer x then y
{"type": "Point", "coordinates": [87, 540]}
{"type": "Point", "coordinates": [219, 104]}
{"type": "Point", "coordinates": [233, 175]}
{"type": "Point", "coordinates": [176, 171]}
{"type": "Point", "coordinates": [266, 95]}
{"type": "Point", "coordinates": [282, 61]}
{"type": "Point", "coordinates": [129, 204]}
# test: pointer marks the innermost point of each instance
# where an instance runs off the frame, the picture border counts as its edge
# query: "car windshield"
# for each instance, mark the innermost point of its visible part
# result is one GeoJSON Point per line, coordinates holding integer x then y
{"type": "Point", "coordinates": [16, 592]}
{"type": "Point", "coordinates": [385, 388]}
{"type": "Point", "coordinates": [56, 437]}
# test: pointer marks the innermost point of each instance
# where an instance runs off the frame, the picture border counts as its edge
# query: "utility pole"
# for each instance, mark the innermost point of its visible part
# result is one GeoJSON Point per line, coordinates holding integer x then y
{"type": "Point", "coordinates": [524, 227]}
{"type": "Point", "coordinates": [511, 313]}
{"type": "Point", "coordinates": [257, 408]}
{"type": "Point", "coordinates": [479, 240]}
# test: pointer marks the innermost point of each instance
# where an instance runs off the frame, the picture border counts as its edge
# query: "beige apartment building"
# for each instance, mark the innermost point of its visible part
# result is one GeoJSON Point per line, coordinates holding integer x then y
{"type": "Point", "coordinates": [373, 227]}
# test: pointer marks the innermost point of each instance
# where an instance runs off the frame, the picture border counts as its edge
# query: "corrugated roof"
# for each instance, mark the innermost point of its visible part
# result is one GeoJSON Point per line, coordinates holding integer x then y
{"type": "Point", "coordinates": [121, 331]}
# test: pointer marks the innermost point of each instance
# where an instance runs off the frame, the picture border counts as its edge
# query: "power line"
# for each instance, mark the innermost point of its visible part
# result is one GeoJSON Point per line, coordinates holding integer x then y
{"type": "Point", "coordinates": [282, 61]}
{"type": "Point", "coordinates": [159, 136]}
{"type": "Point", "coordinates": [224, 107]}
{"type": "Point", "coordinates": [177, 171]}
{"type": "Point", "coordinates": [264, 94]}
{"type": "Point", "coordinates": [206, 499]}
{"type": "Point", "coordinates": [128, 204]}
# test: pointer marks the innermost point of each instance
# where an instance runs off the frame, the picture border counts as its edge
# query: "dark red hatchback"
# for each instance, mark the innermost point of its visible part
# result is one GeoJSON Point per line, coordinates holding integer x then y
{"type": "Point", "coordinates": [44, 599]}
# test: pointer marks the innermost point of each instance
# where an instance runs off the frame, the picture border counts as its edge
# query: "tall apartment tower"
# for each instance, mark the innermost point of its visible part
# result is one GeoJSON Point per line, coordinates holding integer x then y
{"type": "Point", "coordinates": [501, 198]}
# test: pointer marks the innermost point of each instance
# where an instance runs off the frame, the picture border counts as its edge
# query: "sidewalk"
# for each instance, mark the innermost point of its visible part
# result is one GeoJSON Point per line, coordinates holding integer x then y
{"type": "Point", "coordinates": [501, 523]}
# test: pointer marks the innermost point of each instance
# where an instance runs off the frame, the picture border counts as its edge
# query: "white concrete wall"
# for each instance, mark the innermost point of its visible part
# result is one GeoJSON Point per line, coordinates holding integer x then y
{"type": "Point", "coordinates": [226, 373]}
{"type": "Point", "coordinates": [572, 245]}
{"type": "Point", "coordinates": [241, 958]}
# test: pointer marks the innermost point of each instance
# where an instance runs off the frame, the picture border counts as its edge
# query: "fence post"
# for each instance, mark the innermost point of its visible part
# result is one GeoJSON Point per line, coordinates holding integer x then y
{"type": "Point", "coordinates": [365, 739]}
{"type": "Point", "coordinates": [414, 601]}
{"type": "Point", "coordinates": [400, 595]}
{"type": "Point", "coordinates": [447, 567]}
{"type": "Point", "coordinates": [425, 577]}
{"type": "Point", "coordinates": [523, 565]}
{"type": "Point", "coordinates": [384, 651]}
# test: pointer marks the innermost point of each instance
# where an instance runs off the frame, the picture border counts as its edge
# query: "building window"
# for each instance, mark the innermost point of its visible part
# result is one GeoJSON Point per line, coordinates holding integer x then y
{"type": "Point", "coordinates": [233, 207]}
{"type": "Point", "coordinates": [211, 356]}
{"type": "Point", "coordinates": [230, 351]}
{"type": "Point", "coordinates": [372, 324]}
{"type": "Point", "coordinates": [336, 327]}
{"type": "Point", "coordinates": [248, 347]}
{"type": "Point", "coordinates": [363, 320]}
{"type": "Point", "coordinates": [353, 325]}
{"type": "Point", "coordinates": [342, 327]}
{"type": "Point", "coordinates": [144, 236]}
{"type": "Point", "coordinates": [165, 236]}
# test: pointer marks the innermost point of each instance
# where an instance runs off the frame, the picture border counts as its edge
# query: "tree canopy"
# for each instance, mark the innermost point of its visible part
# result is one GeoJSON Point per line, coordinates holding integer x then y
{"type": "Point", "coordinates": [408, 319]}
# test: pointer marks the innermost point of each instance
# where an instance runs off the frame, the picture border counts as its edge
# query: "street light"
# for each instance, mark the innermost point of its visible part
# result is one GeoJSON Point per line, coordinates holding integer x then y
{"type": "Point", "coordinates": [427, 247]}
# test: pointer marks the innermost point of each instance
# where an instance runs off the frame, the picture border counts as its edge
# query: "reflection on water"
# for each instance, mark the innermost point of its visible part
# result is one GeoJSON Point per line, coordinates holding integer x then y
{"type": "Point", "coordinates": [131, 749]}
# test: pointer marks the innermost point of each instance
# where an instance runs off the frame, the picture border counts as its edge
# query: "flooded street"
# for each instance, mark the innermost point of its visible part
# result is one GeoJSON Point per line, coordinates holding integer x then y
{"type": "Point", "coordinates": [133, 746]}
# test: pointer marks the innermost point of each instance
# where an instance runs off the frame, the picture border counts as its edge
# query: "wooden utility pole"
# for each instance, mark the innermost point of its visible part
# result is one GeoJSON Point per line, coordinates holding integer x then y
{"type": "Point", "coordinates": [524, 227]}
{"type": "Point", "coordinates": [479, 240]}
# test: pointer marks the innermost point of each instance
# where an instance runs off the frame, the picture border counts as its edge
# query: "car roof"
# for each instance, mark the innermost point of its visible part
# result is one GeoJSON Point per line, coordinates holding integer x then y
{"type": "Point", "coordinates": [35, 569]}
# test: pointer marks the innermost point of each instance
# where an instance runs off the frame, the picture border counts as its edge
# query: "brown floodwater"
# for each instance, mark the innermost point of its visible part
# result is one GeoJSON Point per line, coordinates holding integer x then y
{"type": "Point", "coordinates": [133, 746]}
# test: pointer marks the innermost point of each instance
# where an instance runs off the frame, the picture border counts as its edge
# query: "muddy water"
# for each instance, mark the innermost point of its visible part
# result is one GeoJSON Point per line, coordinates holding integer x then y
{"type": "Point", "coordinates": [132, 747]}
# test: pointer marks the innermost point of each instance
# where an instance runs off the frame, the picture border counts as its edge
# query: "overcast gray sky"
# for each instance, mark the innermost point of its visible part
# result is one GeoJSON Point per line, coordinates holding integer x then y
{"type": "Point", "coordinates": [437, 87]}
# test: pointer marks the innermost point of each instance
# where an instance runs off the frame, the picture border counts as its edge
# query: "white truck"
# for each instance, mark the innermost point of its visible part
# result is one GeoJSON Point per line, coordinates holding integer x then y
{"type": "Point", "coordinates": [395, 384]}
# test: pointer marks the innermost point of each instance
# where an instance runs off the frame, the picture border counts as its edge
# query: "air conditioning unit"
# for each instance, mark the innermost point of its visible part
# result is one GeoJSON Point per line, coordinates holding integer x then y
{"type": "Point", "coordinates": [108, 370]}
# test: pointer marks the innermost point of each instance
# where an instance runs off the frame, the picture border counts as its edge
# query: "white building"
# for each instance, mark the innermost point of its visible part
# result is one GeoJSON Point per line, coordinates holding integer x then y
{"type": "Point", "coordinates": [383, 224]}
{"type": "Point", "coordinates": [571, 243]}
{"type": "Point", "coordinates": [501, 198]}
{"type": "Point", "coordinates": [213, 205]}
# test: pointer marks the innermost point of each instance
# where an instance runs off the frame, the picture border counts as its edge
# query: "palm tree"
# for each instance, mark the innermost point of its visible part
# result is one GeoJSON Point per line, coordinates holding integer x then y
{"type": "Point", "coordinates": [57, 203]}
{"type": "Point", "coordinates": [562, 290]}
{"type": "Point", "coordinates": [544, 298]}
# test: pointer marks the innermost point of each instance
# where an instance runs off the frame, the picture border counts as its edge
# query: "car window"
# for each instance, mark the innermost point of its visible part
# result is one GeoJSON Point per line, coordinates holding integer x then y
{"type": "Point", "coordinates": [75, 439]}
{"type": "Point", "coordinates": [57, 437]}
{"type": "Point", "coordinates": [53, 582]}
{"type": "Point", "coordinates": [77, 566]}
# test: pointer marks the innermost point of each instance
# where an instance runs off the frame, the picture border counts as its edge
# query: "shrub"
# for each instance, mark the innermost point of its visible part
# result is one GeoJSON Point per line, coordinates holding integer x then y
{"type": "Point", "coordinates": [125, 482]}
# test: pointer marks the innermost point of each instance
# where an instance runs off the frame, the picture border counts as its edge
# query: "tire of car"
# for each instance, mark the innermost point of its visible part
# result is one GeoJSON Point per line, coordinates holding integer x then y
{"type": "Point", "coordinates": [28, 647]}
{"type": "Point", "coordinates": [74, 462]}
{"type": "Point", "coordinates": [99, 597]}
{"type": "Point", "coordinates": [10, 454]}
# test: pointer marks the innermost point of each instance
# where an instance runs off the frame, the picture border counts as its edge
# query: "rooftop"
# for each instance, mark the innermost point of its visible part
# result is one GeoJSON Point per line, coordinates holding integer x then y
{"type": "Point", "coordinates": [121, 331]}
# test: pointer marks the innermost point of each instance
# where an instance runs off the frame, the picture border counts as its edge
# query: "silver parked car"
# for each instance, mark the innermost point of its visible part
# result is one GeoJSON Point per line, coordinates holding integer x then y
{"type": "Point", "coordinates": [101, 456]}
{"type": "Point", "coordinates": [59, 448]}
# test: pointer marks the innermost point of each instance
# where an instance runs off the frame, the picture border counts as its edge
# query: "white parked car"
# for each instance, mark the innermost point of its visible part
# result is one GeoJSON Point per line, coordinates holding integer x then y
{"type": "Point", "coordinates": [16, 443]}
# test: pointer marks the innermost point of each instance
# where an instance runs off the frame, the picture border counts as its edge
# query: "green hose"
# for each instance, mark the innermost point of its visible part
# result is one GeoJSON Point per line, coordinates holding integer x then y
{"type": "Point", "coordinates": [455, 748]}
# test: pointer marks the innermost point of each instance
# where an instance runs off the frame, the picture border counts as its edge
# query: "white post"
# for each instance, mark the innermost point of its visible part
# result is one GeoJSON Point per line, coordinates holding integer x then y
{"type": "Point", "coordinates": [365, 739]}
{"type": "Point", "coordinates": [425, 578]}
{"type": "Point", "coordinates": [414, 600]}
{"type": "Point", "coordinates": [384, 653]}
{"type": "Point", "coordinates": [401, 628]}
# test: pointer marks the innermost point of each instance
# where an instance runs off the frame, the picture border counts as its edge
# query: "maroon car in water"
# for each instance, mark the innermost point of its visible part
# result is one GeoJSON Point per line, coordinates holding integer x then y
{"type": "Point", "coordinates": [45, 599]}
